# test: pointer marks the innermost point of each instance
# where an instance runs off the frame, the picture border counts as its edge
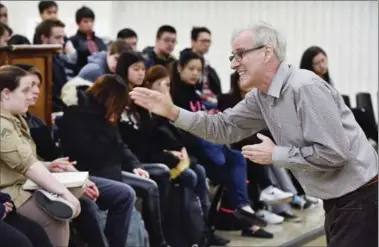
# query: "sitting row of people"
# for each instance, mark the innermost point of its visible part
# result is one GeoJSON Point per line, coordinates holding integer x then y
{"type": "Point", "coordinates": [106, 134]}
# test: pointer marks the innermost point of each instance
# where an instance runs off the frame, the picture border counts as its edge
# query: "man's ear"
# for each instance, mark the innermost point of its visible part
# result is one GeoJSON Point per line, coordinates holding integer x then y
{"type": "Point", "coordinates": [43, 38]}
{"type": "Point", "coordinates": [4, 94]}
{"type": "Point", "coordinates": [269, 53]}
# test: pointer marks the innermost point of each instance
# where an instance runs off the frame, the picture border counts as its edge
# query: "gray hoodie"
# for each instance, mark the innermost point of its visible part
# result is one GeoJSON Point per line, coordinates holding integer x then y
{"type": "Point", "coordinates": [96, 67]}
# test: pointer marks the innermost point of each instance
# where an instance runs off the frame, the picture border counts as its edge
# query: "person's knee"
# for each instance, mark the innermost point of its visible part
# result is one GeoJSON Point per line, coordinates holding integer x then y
{"type": "Point", "coordinates": [10, 236]}
{"type": "Point", "coordinates": [188, 178]}
{"type": "Point", "coordinates": [127, 193]}
{"type": "Point", "coordinates": [200, 171]}
{"type": "Point", "coordinates": [235, 158]}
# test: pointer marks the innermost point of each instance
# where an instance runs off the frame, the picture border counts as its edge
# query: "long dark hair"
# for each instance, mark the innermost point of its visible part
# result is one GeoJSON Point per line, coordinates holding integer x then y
{"type": "Point", "coordinates": [176, 82]}
{"type": "Point", "coordinates": [111, 92]}
{"type": "Point", "coordinates": [307, 58]}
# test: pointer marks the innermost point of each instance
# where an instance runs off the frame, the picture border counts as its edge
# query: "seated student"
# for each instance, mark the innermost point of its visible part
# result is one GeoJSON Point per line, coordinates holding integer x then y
{"type": "Point", "coordinates": [103, 62]}
{"type": "Point", "coordinates": [255, 172]}
{"type": "Point", "coordinates": [88, 133]}
{"type": "Point", "coordinates": [161, 53]}
{"type": "Point", "coordinates": [18, 160]}
{"type": "Point", "coordinates": [222, 164]}
{"type": "Point", "coordinates": [116, 197]}
{"type": "Point", "coordinates": [129, 36]}
{"type": "Point", "coordinates": [167, 147]}
{"type": "Point", "coordinates": [85, 41]}
{"type": "Point", "coordinates": [17, 230]}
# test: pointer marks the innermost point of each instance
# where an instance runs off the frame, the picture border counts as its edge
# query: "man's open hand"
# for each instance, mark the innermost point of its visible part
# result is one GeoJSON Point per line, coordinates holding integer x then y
{"type": "Point", "coordinates": [260, 153]}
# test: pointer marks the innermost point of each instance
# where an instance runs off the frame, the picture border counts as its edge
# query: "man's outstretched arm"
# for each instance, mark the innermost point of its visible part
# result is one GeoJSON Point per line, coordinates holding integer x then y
{"type": "Point", "coordinates": [226, 127]}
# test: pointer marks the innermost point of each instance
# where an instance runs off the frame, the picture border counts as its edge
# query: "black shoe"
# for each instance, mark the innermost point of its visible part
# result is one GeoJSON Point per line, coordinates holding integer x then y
{"type": "Point", "coordinates": [215, 240]}
{"type": "Point", "coordinates": [260, 233]}
{"type": "Point", "coordinates": [251, 218]}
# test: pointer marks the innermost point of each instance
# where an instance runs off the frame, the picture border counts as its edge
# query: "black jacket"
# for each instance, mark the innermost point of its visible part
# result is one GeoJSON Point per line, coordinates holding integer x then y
{"type": "Point", "coordinates": [59, 79]}
{"type": "Point", "coordinates": [80, 43]}
{"type": "Point", "coordinates": [152, 59]}
{"type": "Point", "coordinates": [42, 137]}
{"type": "Point", "coordinates": [149, 137]}
{"type": "Point", "coordinates": [87, 137]}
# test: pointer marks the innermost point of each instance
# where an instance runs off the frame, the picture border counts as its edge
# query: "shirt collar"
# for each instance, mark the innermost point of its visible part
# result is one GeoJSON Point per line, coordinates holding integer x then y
{"type": "Point", "coordinates": [279, 80]}
{"type": "Point", "coordinates": [18, 120]}
{"type": "Point", "coordinates": [6, 114]}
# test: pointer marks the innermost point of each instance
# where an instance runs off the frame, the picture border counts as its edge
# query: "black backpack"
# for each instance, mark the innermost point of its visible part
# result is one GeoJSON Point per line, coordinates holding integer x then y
{"type": "Point", "coordinates": [184, 225]}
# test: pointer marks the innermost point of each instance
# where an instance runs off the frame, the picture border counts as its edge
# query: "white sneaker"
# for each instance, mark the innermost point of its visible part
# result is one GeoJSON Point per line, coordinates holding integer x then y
{"type": "Point", "coordinates": [54, 205]}
{"type": "Point", "coordinates": [269, 217]}
{"type": "Point", "coordinates": [273, 195]}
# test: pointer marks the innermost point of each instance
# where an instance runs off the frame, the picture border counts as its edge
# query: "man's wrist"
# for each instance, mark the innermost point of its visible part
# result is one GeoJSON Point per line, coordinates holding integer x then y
{"type": "Point", "coordinates": [173, 113]}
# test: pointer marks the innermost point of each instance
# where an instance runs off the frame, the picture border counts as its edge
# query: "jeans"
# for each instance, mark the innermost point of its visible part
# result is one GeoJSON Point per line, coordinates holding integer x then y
{"type": "Point", "coordinates": [148, 190]}
{"type": "Point", "coordinates": [118, 199]}
{"type": "Point", "coordinates": [194, 178]}
{"type": "Point", "coordinates": [17, 230]}
{"type": "Point", "coordinates": [232, 174]}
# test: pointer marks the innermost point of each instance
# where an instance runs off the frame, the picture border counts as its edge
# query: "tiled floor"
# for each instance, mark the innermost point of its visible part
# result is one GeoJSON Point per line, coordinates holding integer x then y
{"type": "Point", "coordinates": [313, 218]}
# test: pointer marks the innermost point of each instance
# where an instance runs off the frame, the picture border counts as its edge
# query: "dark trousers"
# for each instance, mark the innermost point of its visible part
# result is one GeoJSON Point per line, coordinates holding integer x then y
{"type": "Point", "coordinates": [149, 190]}
{"type": "Point", "coordinates": [116, 197]}
{"type": "Point", "coordinates": [258, 174]}
{"type": "Point", "coordinates": [17, 230]}
{"type": "Point", "coordinates": [160, 173]}
{"type": "Point", "coordinates": [352, 220]}
{"type": "Point", "coordinates": [195, 179]}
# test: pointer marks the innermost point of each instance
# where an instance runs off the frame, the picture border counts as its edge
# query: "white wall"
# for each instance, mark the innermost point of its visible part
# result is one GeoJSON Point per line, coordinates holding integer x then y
{"type": "Point", "coordinates": [348, 31]}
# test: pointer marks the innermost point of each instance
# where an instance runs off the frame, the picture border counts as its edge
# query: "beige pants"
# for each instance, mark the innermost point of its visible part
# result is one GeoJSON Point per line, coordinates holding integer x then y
{"type": "Point", "coordinates": [58, 231]}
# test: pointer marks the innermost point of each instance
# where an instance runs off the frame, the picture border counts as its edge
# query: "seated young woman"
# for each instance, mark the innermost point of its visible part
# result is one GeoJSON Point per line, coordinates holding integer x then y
{"type": "Point", "coordinates": [89, 134]}
{"type": "Point", "coordinates": [222, 164]}
{"type": "Point", "coordinates": [116, 197]}
{"type": "Point", "coordinates": [167, 147]}
{"type": "Point", "coordinates": [131, 68]}
{"type": "Point", "coordinates": [17, 230]}
{"type": "Point", "coordinates": [269, 193]}
{"type": "Point", "coordinates": [19, 161]}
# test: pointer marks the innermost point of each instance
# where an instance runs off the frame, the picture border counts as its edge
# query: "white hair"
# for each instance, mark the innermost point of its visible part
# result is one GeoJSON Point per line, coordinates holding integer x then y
{"type": "Point", "coordinates": [265, 34]}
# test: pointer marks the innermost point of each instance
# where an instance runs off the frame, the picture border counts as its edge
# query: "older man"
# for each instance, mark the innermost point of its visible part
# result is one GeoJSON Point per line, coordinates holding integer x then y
{"type": "Point", "coordinates": [316, 134]}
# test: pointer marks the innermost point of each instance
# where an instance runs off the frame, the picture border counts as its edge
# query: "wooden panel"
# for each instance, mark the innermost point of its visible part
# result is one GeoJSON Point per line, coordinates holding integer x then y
{"type": "Point", "coordinates": [40, 57]}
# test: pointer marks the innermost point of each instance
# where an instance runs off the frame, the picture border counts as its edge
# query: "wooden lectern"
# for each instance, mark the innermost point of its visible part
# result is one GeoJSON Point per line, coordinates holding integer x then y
{"type": "Point", "coordinates": [41, 57]}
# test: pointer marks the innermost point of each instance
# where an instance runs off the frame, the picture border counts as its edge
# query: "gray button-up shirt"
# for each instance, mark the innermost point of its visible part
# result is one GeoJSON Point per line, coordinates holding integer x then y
{"type": "Point", "coordinates": [316, 134]}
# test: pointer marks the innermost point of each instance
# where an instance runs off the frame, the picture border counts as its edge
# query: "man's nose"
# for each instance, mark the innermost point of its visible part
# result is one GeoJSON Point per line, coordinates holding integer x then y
{"type": "Point", "coordinates": [234, 64]}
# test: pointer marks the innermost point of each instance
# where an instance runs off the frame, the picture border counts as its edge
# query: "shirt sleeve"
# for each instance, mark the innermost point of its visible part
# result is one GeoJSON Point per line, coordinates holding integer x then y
{"type": "Point", "coordinates": [226, 127]}
{"type": "Point", "coordinates": [326, 143]}
{"type": "Point", "coordinates": [15, 152]}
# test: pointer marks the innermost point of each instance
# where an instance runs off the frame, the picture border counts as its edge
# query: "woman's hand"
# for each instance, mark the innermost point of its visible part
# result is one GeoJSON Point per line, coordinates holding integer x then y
{"type": "Point", "coordinates": [141, 173]}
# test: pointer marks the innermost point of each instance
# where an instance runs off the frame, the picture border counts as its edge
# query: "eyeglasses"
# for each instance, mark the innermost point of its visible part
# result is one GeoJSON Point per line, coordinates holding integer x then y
{"type": "Point", "coordinates": [238, 55]}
